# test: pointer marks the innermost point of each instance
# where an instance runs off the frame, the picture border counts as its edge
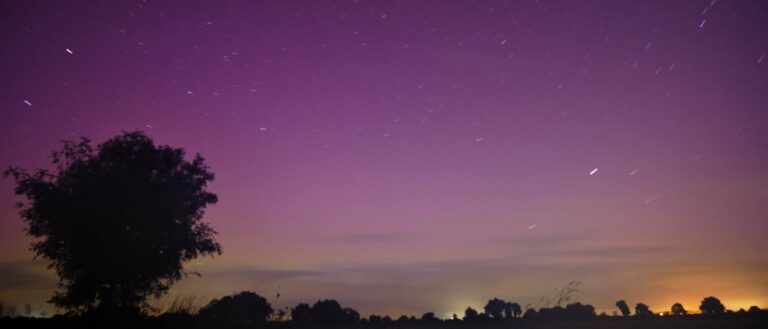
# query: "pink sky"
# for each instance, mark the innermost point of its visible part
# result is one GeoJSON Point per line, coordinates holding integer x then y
{"type": "Point", "coordinates": [405, 157]}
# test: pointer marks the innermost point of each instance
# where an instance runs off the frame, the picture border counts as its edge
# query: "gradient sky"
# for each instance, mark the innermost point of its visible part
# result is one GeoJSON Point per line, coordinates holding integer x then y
{"type": "Point", "coordinates": [414, 156]}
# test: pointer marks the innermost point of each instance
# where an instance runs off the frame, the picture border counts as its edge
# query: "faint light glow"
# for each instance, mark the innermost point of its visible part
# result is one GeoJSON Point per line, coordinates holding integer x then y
{"type": "Point", "coordinates": [27, 102]}
{"type": "Point", "coordinates": [69, 51]}
{"type": "Point", "coordinates": [633, 172]}
{"type": "Point", "coordinates": [593, 171]}
{"type": "Point", "coordinates": [531, 227]}
{"type": "Point", "coordinates": [651, 199]}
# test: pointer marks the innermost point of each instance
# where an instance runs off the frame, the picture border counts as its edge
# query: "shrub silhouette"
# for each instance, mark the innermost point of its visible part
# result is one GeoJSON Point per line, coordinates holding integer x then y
{"type": "Point", "coordinates": [495, 308]}
{"type": "Point", "coordinates": [642, 310]}
{"type": "Point", "coordinates": [324, 312]}
{"type": "Point", "coordinates": [711, 305]}
{"type": "Point", "coordinates": [429, 317]}
{"type": "Point", "coordinates": [623, 307]}
{"type": "Point", "coordinates": [244, 309]}
{"type": "Point", "coordinates": [551, 313]}
{"type": "Point", "coordinates": [374, 319]}
{"type": "Point", "coordinates": [516, 310]}
{"type": "Point", "coordinates": [678, 309]}
{"type": "Point", "coordinates": [302, 314]}
{"type": "Point", "coordinates": [117, 222]}
{"type": "Point", "coordinates": [579, 310]}
{"type": "Point", "coordinates": [470, 314]}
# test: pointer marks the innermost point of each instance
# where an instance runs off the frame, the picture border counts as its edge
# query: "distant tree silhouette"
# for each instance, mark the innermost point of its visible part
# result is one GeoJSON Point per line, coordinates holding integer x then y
{"type": "Point", "coordinates": [754, 309]}
{"type": "Point", "coordinates": [244, 309]}
{"type": "Point", "coordinates": [352, 316]}
{"type": "Point", "coordinates": [117, 222]}
{"type": "Point", "coordinates": [403, 319]}
{"type": "Point", "coordinates": [552, 312]}
{"type": "Point", "coordinates": [642, 310]}
{"type": "Point", "coordinates": [470, 314]}
{"type": "Point", "coordinates": [678, 309]}
{"type": "Point", "coordinates": [429, 317]}
{"type": "Point", "coordinates": [711, 305]}
{"type": "Point", "coordinates": [302, 314]}
{"type": "Point", "coordinates": [623, 307]}
{"type": "Point", "coordinates": [324, 312]}
{"type": "Point", "coordinates": [280, 316]}
{"type": "Point", "coordinates": [516, 310]}
{"type": "Point", "coordinates": [495, 308]}
{"type": "Point", "coordinates": [328, 312]}
{"type": "Point", "coordinates": [579, 310]}
{"type": "Point", "coordinates": [374, 319]}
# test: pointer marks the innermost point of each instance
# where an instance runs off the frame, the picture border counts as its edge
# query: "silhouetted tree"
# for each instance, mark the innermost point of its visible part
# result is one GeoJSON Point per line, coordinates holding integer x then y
{"type": "Point", "coordinates": [678, 309]}
{"type": "Point", "coordinates": [495, 308]}
{"type": "Point", "coordinates": [623, 307]}
{"type": "Point", "coordinates": [374, 319]}
{"type": "Point", "coordinates": [579, 310]}
{"type": "Point", "coordinates": [470, 314]}
{"type": "Point", "coordinates": [280, 316]}
{"type": "Point", "coordinates": [754, 309]}
{"type": "Point", "coordinates": [552, 312]}
{"type": "Point", "coordinates": [243, 309]}
{"type": "Point", "coordinates": [302, 314]}
{"type": "Point", "coordinates": [327, 312]}
{"type": "Point", "coordinates": [403, 319]}
{"type": "Point", "coordinates": [352, 316]}
{"type": "Point", "coordinates": [516, 310]}
{"type": "Point", "coordinates": [642, 310]}
{"type": "Point", "coordinates": [324, 312]}
{"type": "Point", "coordinates": [117, 222]}
{"type": "Point", "coordinates": [429, 317]}
{"type": "Point", "coordinates": [711, 305]}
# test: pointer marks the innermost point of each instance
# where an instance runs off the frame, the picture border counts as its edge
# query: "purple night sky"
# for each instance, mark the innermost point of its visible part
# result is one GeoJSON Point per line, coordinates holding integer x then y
{"type": "Point", "coordinates": [413, 156]}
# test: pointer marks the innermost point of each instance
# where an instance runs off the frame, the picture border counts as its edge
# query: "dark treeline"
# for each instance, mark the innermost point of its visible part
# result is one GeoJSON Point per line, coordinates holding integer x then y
{"type": "Point", "coordinates": [250, 310]}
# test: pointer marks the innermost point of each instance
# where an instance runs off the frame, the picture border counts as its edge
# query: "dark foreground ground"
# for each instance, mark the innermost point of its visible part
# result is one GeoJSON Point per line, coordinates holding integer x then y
{"type": "Point", "coordinates": [187, 322]}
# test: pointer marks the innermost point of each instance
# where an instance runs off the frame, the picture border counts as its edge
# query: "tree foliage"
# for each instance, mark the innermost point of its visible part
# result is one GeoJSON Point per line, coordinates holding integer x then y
{"type": "Point", "coordinates": [470, 314]}
{"type": "Point", "coordinates": [642, 310]}
{"type": "Point", "coordinates": [711, 305]}
{"type": "Point", "coordinates": [243, 309]}
{"type": "Point", "coordinates": [678, 309]}
{"type": "Point", "coordinates": [623, 307]}
{"type": "Point", "coordinates": [324, 312]}
{"type": "Point", "coordinates": [515, 309]}
{"type": "Point", "coordinates": [495, 308]}
{"type": "Point", "coordinates": [118, 221]}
